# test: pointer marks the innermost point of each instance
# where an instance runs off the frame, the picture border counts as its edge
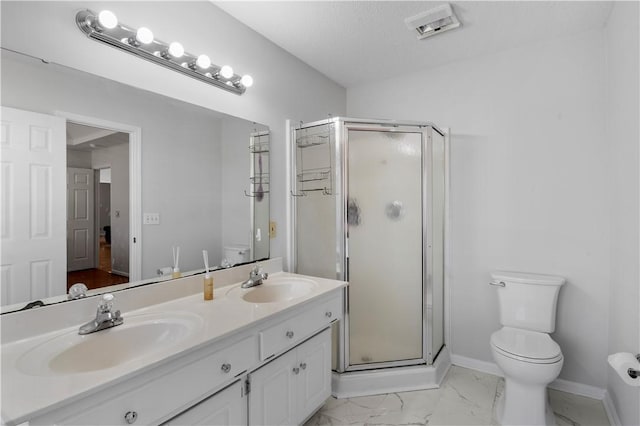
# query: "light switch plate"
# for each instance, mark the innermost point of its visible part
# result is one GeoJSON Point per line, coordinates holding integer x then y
{"type": "Point", "coordinates": [151, 218]}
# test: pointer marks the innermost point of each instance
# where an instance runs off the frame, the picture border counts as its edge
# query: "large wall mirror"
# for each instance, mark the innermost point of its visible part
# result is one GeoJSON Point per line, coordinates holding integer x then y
{"type": "Point", "coordinates": [203, 184]}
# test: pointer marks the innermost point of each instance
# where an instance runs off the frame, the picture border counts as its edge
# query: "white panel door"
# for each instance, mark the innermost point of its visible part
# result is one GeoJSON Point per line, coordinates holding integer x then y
{"type": "Point", "coordinates": [33, 222]}
{"type": "Point", "coordinates": [272, 398]}
{"type": "Point", "coordinates": [80, 219]}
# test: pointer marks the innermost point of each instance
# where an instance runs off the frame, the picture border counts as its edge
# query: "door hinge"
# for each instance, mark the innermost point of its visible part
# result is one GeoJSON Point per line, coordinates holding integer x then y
{"type": "Point", "coordinates": [247, 387]}
{"type": "Point", "coordinates": [134, 240]}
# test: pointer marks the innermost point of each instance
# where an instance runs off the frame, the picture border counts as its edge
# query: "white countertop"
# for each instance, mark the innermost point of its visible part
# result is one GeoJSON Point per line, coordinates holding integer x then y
{"type": "Point", "coordinates": [25, 396]}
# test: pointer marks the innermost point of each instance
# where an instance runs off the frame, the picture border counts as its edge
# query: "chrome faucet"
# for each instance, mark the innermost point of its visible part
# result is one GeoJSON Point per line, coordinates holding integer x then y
{"type": "Point", "coordinates": [255, 277]}
{"type": "Point", "coordinates": [105, 317]}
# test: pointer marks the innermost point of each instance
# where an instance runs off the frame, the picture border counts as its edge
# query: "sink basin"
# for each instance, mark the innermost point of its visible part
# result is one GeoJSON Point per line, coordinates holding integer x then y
{"type": "Point", "coordinates": [276, 289]}
{"type": "Point", "coordinates": [140, 335]}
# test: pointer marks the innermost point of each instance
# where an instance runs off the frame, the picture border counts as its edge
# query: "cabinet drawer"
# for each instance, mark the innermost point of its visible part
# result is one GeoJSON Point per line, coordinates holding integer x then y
{"type": "Point", "coordinates": [158, 398]}
{"type": "Point", "coordinates": [225, 408]}
{"type": "Point", "coordinates": [290, 332]}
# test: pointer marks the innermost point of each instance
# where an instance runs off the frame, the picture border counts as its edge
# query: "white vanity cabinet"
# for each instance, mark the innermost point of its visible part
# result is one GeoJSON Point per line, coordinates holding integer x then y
{"type": "Point", "coordinates": [225, 408]}
{"type": "Point", "coordinates": [287, 390]}
{"type": "Point", "coordinates": [159, 394]}
{"type": "Point", "coordinates": [275, 369]}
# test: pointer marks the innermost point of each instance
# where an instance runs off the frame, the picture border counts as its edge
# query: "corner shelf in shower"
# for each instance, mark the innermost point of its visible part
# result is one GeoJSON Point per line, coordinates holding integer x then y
{"type": "Point", "coordinates": [259, 148]}
{"type": "Point", "coordinates": [314, 175]}
{"type": "Point", "coordinates": [314, 171]}
{"type": "Point", "coordinates": [307, 141]}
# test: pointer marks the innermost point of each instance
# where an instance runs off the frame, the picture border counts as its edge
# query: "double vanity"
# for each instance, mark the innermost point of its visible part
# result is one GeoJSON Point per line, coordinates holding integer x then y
{"type": "Point", "coordinates": [260, 355]}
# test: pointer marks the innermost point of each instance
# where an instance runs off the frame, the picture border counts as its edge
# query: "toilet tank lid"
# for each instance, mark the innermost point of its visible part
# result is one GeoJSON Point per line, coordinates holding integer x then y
{"type": "Point", "coordinates": [527, 278]}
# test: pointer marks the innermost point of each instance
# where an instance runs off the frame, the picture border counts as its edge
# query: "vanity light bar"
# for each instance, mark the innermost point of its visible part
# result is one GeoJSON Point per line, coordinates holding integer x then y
{"type": "Point", "coordinates": [104, 27]}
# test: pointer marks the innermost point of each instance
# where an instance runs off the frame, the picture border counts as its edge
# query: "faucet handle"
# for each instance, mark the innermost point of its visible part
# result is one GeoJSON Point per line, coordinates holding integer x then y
{"type": "Point", "coordinates": [77, 291]}
{"type": "Point", "coordinates": [256, 270]}
{"type": "Point", "coordinates": [106, 304]}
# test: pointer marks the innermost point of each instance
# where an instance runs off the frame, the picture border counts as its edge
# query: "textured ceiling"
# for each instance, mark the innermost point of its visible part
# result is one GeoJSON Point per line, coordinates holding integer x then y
{"type": "Point", "coordinates": [354, 42]}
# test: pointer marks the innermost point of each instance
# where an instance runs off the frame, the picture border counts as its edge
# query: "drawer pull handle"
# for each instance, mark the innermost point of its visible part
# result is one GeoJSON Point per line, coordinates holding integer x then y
{"type": "Point", "coordinates": [303, 365]}
{"type": "Point", "coordinates": [296, 370]}
{"type": "Point", "coordinates": [328, 314]}
{"type": "Point", "coordinates": [131, 417]}
{"type": "Point", "coordinates": [226, 367]}
{"type": "Point", "coordinates": [289, 334]}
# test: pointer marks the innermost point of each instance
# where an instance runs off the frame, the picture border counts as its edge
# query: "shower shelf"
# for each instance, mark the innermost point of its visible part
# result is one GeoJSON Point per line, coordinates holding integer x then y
{"type": "Point", "coordinates": [260, 179]}
{"type": "Point", "coordinates": [259, 148]}
{"type": "Point", "coordinates": [303, 192]}
{"type": "Point", "coordinates": [254, 194]}
{"type": "Point", "coordinates": [313, 175]}
{"type": "Point", "coordinates": [311, 140]}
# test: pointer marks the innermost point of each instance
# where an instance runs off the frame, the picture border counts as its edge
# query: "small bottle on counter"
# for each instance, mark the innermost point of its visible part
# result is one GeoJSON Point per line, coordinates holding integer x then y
{"type": "Point", "coordinates": [208, 279]}
{"type": "Point", "coordinates": [176, 261]}
{"type": "Point", "coordinates": [208, 287]}
{"type": "Point", "coordinates": [176, 273]}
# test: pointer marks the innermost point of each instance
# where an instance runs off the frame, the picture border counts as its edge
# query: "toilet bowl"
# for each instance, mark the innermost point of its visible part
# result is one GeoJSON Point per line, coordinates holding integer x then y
{"type": "Point", "coordinates": [523, 348]}
{"type": "Point", "coordinates": [530, 361]}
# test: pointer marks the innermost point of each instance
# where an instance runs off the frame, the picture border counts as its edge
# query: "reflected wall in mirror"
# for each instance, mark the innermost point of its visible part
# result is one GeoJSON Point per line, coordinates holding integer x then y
{"type": "Point", "coordinates": [201, 185]}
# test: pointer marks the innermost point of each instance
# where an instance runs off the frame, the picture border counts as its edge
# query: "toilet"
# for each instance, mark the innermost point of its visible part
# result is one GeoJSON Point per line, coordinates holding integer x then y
{"type": "Point", "coordinates": [523, 349]}
{"type": "Point", "coordinates": [236, 254]}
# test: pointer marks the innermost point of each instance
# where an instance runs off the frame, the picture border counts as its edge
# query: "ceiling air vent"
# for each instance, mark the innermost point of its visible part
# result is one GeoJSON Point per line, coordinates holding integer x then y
{"type": "Point", "coordinates": [433, 21]}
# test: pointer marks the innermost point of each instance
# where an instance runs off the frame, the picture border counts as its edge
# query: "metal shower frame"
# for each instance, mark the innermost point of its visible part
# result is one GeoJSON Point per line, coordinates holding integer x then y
{"type": "Point", "coordinates": [341, 127]}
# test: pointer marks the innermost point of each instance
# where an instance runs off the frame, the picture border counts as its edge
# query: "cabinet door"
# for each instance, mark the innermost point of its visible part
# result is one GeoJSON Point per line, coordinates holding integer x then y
{"type": "Point", "coordinates": [314, 382]}
{"type": "Point", "coordinates": [227, 407]}
{"type": "Point", "coordinates": [272, 397]}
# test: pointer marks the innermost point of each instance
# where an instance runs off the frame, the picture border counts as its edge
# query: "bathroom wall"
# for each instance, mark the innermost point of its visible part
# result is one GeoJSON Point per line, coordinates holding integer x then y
{"type": "Point", "coordinates": [285, 87]}
{"type": "Point", "coordinates": [529, 184]}
{"type": "Point", "coordinates": [81, 159]}
{"type": "Point", "coordinates": [623, 136]}
{"type": "Point", "coordinates": [117, 159]}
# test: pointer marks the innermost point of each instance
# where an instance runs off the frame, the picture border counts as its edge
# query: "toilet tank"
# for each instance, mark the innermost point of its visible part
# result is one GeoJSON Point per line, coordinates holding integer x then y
{"type": "Point", "coordinates": [235, 254]}
{"type": "Point", "coordinates": [527, 301]}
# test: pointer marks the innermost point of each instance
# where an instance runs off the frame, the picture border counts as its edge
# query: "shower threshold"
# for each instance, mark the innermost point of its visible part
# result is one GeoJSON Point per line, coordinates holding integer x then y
{"type": "Point", "coordinates": [389, 380]}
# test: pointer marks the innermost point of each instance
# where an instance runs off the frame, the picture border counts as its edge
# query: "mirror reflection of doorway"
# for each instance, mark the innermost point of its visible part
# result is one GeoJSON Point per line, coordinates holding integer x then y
{"type": "Point", "coordinates": [97, 206]}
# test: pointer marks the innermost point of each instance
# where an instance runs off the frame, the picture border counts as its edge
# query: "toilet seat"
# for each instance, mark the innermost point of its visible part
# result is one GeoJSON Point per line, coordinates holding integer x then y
{"type": "Point", "coordinates": [527, 346]}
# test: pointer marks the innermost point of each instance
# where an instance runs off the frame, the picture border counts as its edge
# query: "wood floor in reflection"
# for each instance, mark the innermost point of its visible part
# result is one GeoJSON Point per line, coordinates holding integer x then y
{"type": "Point", "coordinates": [97, 277]}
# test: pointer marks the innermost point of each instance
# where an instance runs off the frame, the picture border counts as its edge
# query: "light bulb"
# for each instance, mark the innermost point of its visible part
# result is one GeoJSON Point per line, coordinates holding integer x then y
{"type": "Point", "coordinates": [176, 50]}
{"type": "Point", "coordinates": [203, 61]}
{"type": "Point", "coordinates": [246, 80]}
{"type": "Point", "coordinates": [107, 19]}
{"type": "Point", "coordinates": [144, 35]}
{"type": "Point", "coordinates": [226, 71]}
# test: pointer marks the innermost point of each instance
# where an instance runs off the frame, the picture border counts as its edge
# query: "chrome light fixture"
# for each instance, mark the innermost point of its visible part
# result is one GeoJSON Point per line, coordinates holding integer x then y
{"type": "Point", "coordinates": [104, 27]}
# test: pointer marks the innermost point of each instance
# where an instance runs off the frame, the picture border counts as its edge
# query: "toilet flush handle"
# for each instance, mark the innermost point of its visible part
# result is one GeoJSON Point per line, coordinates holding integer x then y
{"type": "Point", "coordinates": [497, 283]}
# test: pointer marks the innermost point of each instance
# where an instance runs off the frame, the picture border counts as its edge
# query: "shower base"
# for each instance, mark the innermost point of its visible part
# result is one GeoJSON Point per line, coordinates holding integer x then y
{"type": "Point", "coordinates": [389, 380]}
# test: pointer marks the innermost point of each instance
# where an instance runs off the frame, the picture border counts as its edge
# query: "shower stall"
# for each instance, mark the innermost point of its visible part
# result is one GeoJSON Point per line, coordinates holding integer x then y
{"type": "Point", "coordinates": [368, 207]}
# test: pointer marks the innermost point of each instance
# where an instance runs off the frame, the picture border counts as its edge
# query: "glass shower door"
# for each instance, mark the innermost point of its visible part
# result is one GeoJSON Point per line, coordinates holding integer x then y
{"type": "Point", "coordinates": [385, 247]}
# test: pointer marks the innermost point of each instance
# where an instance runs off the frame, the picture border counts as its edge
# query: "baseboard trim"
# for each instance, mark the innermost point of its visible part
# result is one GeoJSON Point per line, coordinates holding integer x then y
{"type": "Point", "coordinates": [558, 384]}
{"type": "Point", "coordinates": [476, 364]}
{"type": "Point", "coordinates": [610, 409]}
{"type": "Point", "coordinates": [578, 389]}
{"type": "Point", "coordinates": [124, 274]}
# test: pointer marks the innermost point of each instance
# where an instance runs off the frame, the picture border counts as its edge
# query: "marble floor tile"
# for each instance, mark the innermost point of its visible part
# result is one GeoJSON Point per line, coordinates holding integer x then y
{"type": "Point", "coordinates": [466, 397]}
{"type": "Point", "coordinates": [573, 409]}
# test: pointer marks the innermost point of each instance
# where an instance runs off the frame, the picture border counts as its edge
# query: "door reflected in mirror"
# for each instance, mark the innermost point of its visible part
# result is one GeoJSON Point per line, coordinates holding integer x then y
{"type": "Point", "coordinates": [114, 201]}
